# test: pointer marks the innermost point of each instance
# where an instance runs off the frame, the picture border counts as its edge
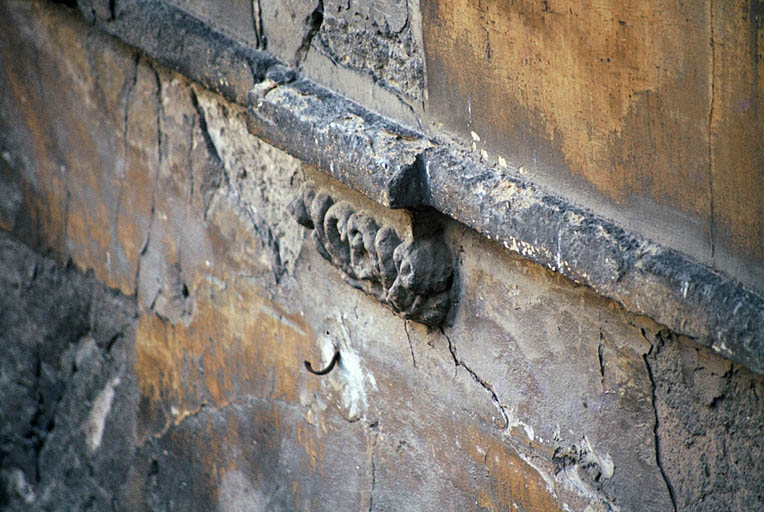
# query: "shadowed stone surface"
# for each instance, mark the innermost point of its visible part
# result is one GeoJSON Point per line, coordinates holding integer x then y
{"type": "Point", "coordinates": [710, 426]}
{"type": "Point", "coordinates": [67, 378]}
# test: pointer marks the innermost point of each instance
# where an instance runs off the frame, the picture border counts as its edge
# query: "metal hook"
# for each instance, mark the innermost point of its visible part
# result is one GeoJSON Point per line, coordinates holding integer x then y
{"type": "Point", "coordinates": [326, 370]}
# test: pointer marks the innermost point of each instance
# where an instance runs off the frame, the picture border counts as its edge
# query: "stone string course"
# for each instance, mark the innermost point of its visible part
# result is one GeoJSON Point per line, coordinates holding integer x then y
{"type": "Point", "coordinates": [401, 168]}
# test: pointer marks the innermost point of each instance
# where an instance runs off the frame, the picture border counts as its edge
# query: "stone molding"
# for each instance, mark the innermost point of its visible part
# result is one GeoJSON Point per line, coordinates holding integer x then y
{"type": "Point", "coordinates": [413, 278]}
{"type": "Point", "coordinates": [403, 168]}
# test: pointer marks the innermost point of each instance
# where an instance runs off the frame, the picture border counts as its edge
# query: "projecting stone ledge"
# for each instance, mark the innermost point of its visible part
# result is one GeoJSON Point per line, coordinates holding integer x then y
{"type": "Point", "coordinates": [401, 168]}
{"type": "Point", "coordinates": [356, 146]}
{"type": "Point", "coordinates": [643, 276]}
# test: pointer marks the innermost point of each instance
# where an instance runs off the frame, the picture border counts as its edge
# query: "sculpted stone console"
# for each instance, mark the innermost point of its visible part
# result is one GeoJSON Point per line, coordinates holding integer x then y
{"type": "Point", "coordinates": [411, 277]}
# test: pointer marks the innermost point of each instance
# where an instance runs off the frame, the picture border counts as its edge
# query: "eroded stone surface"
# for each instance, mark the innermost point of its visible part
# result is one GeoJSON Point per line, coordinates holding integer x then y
{"type": "Point", "coordinates": [67, 378]}
{"type": "Point", "coordinates": [377, 38]}
{"type": "Point", "coordinates": [373, 38]}
{"type": "Point", "coordinates": [535, 395]}
{"type": "Point", "coordinates": [710, 426]}
{"type": "Point", "coordinates": [648, 279]}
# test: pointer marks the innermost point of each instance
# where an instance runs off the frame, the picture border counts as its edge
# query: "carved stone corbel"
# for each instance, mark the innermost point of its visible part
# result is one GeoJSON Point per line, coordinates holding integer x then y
{"type": "Point", "coordinates": [411, 277]}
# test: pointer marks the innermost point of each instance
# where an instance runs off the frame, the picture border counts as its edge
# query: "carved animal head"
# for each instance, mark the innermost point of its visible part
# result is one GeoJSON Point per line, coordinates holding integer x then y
{"type": "Point", "coordinates": [414, 277]}
{"type": "Point", "coordinates": [361, 233]}
{"type": "Point", "coordinates": [335, 230]}
{"type": "Point", "coordinates": [425, 271]}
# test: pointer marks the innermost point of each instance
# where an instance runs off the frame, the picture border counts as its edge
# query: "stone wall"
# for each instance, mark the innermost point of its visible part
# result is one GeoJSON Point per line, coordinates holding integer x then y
{"type": "Point", "coordinates": [646, 112]}
{"type": "Point", "coordinates": [159, 300]}
{"type": "Point", "coordinates": [67, 374]}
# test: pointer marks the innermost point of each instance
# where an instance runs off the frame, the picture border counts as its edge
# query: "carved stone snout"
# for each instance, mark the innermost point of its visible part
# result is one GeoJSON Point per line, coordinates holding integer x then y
{"type": "Point", "coordinates": [411, 277]}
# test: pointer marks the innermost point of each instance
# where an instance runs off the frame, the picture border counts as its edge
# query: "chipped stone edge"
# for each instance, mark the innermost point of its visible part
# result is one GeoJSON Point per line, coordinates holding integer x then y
{"type": "Point", "coordinates": [401, 168]}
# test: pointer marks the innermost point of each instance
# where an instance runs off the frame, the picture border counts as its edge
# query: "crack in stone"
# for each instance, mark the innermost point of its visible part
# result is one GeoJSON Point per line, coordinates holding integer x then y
{"type": "Point", "coordinates": [257, 24]}
{"type": "Point", "coordinates": [485, 385]}
{"type": "Point", "coordinates": [189, 158]}
{"type": "Point", "coordinates": [183, 416]}
{"type": "Point", "coordinates": [373, 439]}
{"type": "Point", "coordinates": [159, 154]}
{"type": "Point", "coordinates": [128, 98]}
{"type": "Point", "coordinates": [710, 129]}
{"type": "Point", "coordinates": [160, 114]}
{"type": "Point", "coordinates": [146, 241]}
{"type": "Point", "coordinates": [313, 24]}
{"type": "Point", "coordinates": [411, 346]}
{"type": "Point", "coordinates": [67, 205]}
{"type": "Point", "coordinates": [145, 248]}
{"type": "Point", "coordinates": [266, 236]}
{"type": "Point", "coordinates": [601, 359]}
{"type": "Point", "coordinates": [180, 418]}
{"type": "Point", "coordinates": [260, 225]}
{"type": "Point", "coordinates": [212, 150]}
{"type": "Point", "coordinates": [125, 143]}
{"type": "Point", "coordinates": [656, 425]}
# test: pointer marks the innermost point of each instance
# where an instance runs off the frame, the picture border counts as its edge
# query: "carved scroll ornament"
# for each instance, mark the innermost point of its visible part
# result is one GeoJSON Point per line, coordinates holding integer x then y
{"type": "Point", "coordinates": [412, 277]}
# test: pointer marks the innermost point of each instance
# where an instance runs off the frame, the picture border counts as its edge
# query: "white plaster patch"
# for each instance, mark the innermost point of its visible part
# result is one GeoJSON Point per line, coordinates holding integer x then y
{"type": "Point", "coordinates": [18, 482]}
{"type": "Point", "coordinates": [355, 377]}
{"type": "Point", "coordinates": [544, 476]}
{"type": "Point", "coordinates": [513, 423]}
{"type": "Point", "coordinates": [570, 478]}
{"type": "Point", "coordinates": [99, 412]}
{"type": "Point", "coordinates": [528, 431]}
{"type": "Point", "coordinates": [237, 494]}
{"type": "Point", "coordinates": [605, 462]}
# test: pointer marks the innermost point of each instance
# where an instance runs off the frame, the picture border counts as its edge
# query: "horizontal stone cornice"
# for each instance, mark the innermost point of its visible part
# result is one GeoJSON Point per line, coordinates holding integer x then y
{"type": "Point", "coordinates": [403, 168]}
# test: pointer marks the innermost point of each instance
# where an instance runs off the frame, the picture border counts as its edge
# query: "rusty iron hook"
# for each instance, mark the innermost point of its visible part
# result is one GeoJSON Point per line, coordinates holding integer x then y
{"type": "Point", "coordinates": [335, 358]}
